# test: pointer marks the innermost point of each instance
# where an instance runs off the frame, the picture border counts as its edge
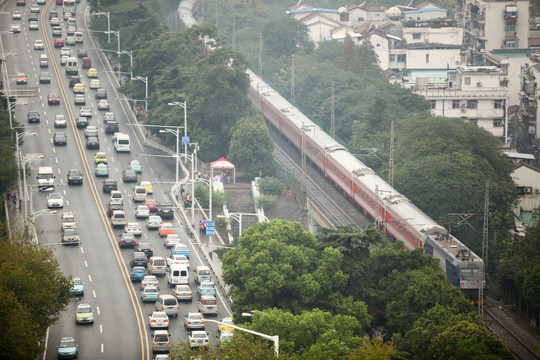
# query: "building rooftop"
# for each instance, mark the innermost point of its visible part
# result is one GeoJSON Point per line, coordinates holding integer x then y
{"type": "Point", "coordinates": [510, 53]}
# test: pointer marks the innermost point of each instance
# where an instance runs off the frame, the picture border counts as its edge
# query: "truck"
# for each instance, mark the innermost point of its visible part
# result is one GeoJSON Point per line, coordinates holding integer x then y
{"type": "Point", "coordinates": [121, 142]}
{"type": "Point", "coordinates": [45, 178]}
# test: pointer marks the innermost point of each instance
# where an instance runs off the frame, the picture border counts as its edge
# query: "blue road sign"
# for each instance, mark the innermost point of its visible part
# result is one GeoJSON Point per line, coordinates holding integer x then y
{"type": "Point", "coordinates": [185, 140]}
{"type": "Point", "coordinates": [210, 228]}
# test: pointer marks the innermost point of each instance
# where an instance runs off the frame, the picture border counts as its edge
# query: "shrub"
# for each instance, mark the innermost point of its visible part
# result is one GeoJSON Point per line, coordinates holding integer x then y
{"type": "Point", "coordinates": [265, 201]}
{"type": "Point", "coordinates": [270, 186]}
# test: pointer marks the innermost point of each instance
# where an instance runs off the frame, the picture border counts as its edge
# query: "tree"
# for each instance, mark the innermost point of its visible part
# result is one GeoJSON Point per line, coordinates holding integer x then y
{"type": "Point", "coordinates": [251, 147]}
{"type": "Point", "coordinates": [285, 36]}
{"type": "Point", "coordinates": [374, 349]}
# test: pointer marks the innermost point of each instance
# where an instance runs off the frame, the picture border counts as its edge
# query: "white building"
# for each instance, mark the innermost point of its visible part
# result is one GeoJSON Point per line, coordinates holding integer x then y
{"type": "Point", "coordinates": [433, 32]}
{"type": "Point", "coordinates": [527, 180]}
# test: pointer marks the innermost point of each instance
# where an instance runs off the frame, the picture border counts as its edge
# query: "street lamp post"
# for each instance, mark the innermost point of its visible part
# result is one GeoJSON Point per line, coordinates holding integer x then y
{"type": "Point", "coordinates": [19, 159]}
{"type": "Point", "coordinates": [177, 133]}
{"type": "Point", "coordinates": [184, 105]}
{"type": "Point", "coordinates": [108, 15]}
{"type": "Point", "coordinates": [130, 54]}
{"type": "Point", "coordinates": [195, 149]}
{"type": "Point", "coordinates": [209, 183]}
{"type": "Point", "coordinates": [26, 159]}
{"type": "Point", "coordinates": [145, 80]}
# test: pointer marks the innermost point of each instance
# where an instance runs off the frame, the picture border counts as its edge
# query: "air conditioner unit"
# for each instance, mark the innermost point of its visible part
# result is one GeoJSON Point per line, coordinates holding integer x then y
{"type": "Point", "coordinates": [537, 191]}
{"type": "Point", "coordinates": [527, 190]}
{"type": "Point", "coordinates": [479, 84]}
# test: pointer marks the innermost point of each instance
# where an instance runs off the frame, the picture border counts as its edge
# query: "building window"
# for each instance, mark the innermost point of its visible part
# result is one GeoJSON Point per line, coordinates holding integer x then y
{"type": "Point", "coordinates": [344, 16]}
{"type": "Point", "coordinates": [467, 80]}
{"type": "Point", "coordinates": [497, 122]}
{"type": "Point", "coordinates": [427, 58]}
{"type": "Point", "coordinates": [510, 27]}
{"type": "Point", "coordinates": [392, 57]}
{"type": "Point", "coordinates": [416, 36]}
{"type": "Point", "coordinates": [473, 121]}
{"type": "Point", "coordinates": [433, 104]}
{"type": "Point", "coordinates": [498, 104]}
{"type": "Point", "coordinates": [472, 104]}
{"type": "Point", "coordinates": [455, 104]}
{"type": "Point", "coordinates": [378, 44]}
{"type": "Point", "coordinates": [510, 44]}
{"type": "Point", "coordinates": [401, 57]}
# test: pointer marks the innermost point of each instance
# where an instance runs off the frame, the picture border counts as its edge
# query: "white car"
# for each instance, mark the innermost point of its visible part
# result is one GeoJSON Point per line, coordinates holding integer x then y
{"type": "Point", "coordinates": [65, 51]}
{"type": "Point", "coordinates": [60, 121]}
{"type": "Point", "coordinates": [171, 240]}
{"type": "Point", "coordinates": [154, 221]}
{"type": "Point", "coordinates": [34, 9]}
{"type": "Point", "coordinates": [95, 84]}
{"type": "Point", "coordinates": [116, 197]}
{"type": "Point", "coordinates": [85, 112]}
{"type": "Point", "coordinates": [55, 200]}
{"type": "Point", "coordinates": [38, 45]}
{"type": "Point", "coordinates": [142, 212]}
{"type": "Point", "coordinates": [15, 28]}
{"type": "Point", "coordinates": [150, 280]}
{"type": "Point", "coordinates": [16, 15]}
{"type": "Point", "coordinates": [33, 25]}
{"type": "Point", "coordinates": [90, 131]}
{"type": "Point", "coordinates": [177, 260]}
{"type": "Point", "coordinates": [148, 186]}
{"type": "Point", "coordinates": [133, 228]}
{"type": "Point", "coordinates": [198, 338]}
{"type": "Point", "coordinates": [158, 319]}
{"type": "Point", "coordinates": [63, 59]}
{"type": "Point", "coordinates": [55, 21]}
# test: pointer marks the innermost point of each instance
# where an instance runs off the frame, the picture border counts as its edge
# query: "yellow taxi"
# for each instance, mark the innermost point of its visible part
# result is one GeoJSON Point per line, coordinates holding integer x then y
{"type": "Point", "coordinates": [148, 186]}
{"type": "Point", "coordinates": [92, 73]}
{"type": "Point", "coordinates": [100, 158]}
{"type": "Point", "coordinates": [225, 328]}
{"type": "Point", "coordinates": [78, 88]}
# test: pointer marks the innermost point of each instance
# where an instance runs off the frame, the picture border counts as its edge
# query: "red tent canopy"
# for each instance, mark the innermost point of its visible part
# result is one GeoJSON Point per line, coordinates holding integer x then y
{"type": "Point", "coordinates": [223, 164]}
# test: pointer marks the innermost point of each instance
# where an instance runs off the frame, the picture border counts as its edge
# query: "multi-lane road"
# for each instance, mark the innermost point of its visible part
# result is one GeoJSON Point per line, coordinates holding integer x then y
{"type": "Point", "coordinates": [120, 330]}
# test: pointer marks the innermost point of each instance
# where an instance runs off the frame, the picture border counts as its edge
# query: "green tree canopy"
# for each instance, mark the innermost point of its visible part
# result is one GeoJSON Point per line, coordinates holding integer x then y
{"type": "Point", "coordinates": [285, 36]}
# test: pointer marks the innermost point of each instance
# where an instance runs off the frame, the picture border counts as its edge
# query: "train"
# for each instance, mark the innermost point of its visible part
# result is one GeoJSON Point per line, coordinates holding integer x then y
{"type": "Point", "coordinates": [397, 215]}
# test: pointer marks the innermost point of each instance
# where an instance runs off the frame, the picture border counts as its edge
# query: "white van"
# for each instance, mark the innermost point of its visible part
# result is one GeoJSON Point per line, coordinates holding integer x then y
{"type": "Point", "coordinates": [202, 273]}
{"type": "Point", "coordinates": [139, 193]}
{"type": "Point", "coordinates": [178, 275]}
{"type": "Point", "coordinates": [72, 66]}
{"type": "Point", "coordinates": [121, 142]}
{"type": "Point", "coordinates": [157, 265]}
{"type": "Point", "coordinates": [168, 304]}
{"type": "Point", "coordinates": [45, 178]}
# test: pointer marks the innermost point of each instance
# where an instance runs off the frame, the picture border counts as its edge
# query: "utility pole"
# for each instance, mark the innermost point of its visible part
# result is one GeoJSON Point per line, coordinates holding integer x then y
{"type": "Point", "coordinates": [233, 32]}
{"type": "Point", "coordinates": [292, 81]}
{"type": "Point", "coordinates": [304, 180]}
{"type": "Point", "coordinates": [485, 248]}
{"type": "Point", "coordinates": [260, 54]}
{"type": "Point", "coordinates": [332, 114]}
{"type": "Point", "coordinates": [217, 12]}
{"type": "Point", "coordinates": [391, 161]}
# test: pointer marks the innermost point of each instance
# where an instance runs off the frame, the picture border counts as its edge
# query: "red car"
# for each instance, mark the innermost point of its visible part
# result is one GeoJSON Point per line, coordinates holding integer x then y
{"type": "Point", "coordinates": [86, 63]}
{"type": "Point", "coordinates": [53, 99]}
{"type": "Point", "coordinates": [21, 2]}
{"type": "Point", "coordinates": [152, 204]}
{"type": "Point", "coordinates": [59, 43]}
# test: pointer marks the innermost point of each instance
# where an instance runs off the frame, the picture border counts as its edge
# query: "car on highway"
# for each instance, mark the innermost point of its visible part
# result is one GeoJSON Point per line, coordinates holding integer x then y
{"type": "Point", "coordinates": [60, 121]}
{"type": "Point", "coordinates": [39, 45]}
{"type": "Point", "coordinates": [53, 13]}
{"type": "Point", "coordinates": [118, 218]}
{"type": "Point", "coordinates": [92, 73]}
{"type": "Point", "coordinates": [85, 111]}
{"type": "Point", "coordinates": [16, 15]}
{"type": "Point", "coordinates": [63, 60]}
{"type": "Point", "coordinates": [90, 131]}
{"type": "Point", "coordinates": [75, 176]}
{"type": "Point", "coordinates": [43, 61]}
{"type": "Point", "coordinates": [82, 53]}
{"type": "Point", "coordinates": [139, 194]}
{"type": "Point", "coordinates": [198, 338]}
{"type": "Point", "coordinates": [158, 320]}
{"type": "Point", "coordinates": [147, 249]}
{"type": "Point", "coordinates": [53, 99]}
{"type": "Point", "coordinates": [86, 63]}
{"type": "Point", "coordinates": [138, 258]}
{"type": "Point", "coordinates": [100, 157]}
{"type": "Point", "coordinates": [225, 328]}
{"type": "Point", "coordinates": [167, 303]}
{"type": "Point", "coordinates": [92, 142]}
{"type": "Point", "coordinates": [95, 84]}
{"type": "Point", "coordinates": [74, 80]}
{"type": "Point", "coordinates": [57, 32]}
{"type": "Point", "coordinates": [84, 314]}
{"type": "Point", "coordinates": [102, 169]}
{"type": "Point", "coordinates": [70, 40]}
{"type": "Point", "coordinates": [82, 122]}
{"type": "Point", "coordinates": [148, 186]}
{"type": "Point", "coordinates": [78, 287]}
{"type": "Point", "coordinates": [109, 185]}
{"type": "Point", "coordinates": [202, 273]}
{"type": "Point", "coordinates": [182, 292]}
{"type": "Point", "coordinates": [33, 117]}
{"type": "Point", "coordinates": [166, 211]}
{"type": "Point", "coordinates": [161, 342]}
{"type": "Point", "coordinates": [136, 166]}
{"type": "Point", "coordinates": [21, 78]}
{"type": "Point", "coordinates": [111, 208]}
{"type": "Point", "coordinates": [149, 293]}
{"type": "Point", "coordinates": [109, 116]}
{"type": "Point", "coordinates": [138, 273]}
{"type": "Point", "coordinates": [103, 105]}
{"type": "Point", "coordinates": [126, 239]}
{"type": "Point", "coordinates": [34, 9]}
{"type": "Point", "coordinates": [65, 51]}
{"type": "Point", "coordinates": [208, 305]}
{"type": "Point", "coordinates": [44, 77]}
{"type": "Point", "coordinates": [78, 88]}
{"type": "Point", "coordinates": [54, 21]}
{"type": "Point", "coordinates": [15, 28]}
{"type": "Point", "coordinates": [79, 38]}
{"type": "Point", "coordinates": [70, 236]}
{"type": "Point", "coordinates": [67, 348]}
{"type": "Point", "coordinates": [33, 25]}
{"type": "Point", "coordinates": [154, 221]}
{"type": "Point", "coordinates": [111, 126]}
{"type": "Point", "coordinates": [194, 321]}
{"type": "Point", "coordinates": [79, 99]}
{"type": "Point", "coordinates": [116, 197]}
{"type": "Point", "coordinates": [101, 94]}
{"type": "Point", "coordinates": [180, 249]}
{"type": "Point", "coordinates": [67, 219]}
{"type": "Point", "coordinates": [142, 212]}
{"type": "Point", "coordinates": [150, 280]}
{"type": "Point", "coordinates": [177, 259]}
{"type": "Point", "coordinates": [206, 288]}
{"type": "Point", "coordinates": [60, 138]}
{"type": "Point", "coordinates": [59, 43]}
{"type": "Point", "coordinates": [21, 2]}
{"type": "Point", "coordinates": [166, 228]}
{"type": "Point", "coordinates": [171, 240]}
{"type": "Point", "coordinates": [133, 228]}
{"type": "Point", "coordinates": [129, 176]}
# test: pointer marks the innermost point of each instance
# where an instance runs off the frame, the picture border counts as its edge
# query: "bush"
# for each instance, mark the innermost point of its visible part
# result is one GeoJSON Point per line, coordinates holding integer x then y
{"type": "Point", "coordinates": [266, 201]}
{"type": "Point", "coordinates": [270, 186]}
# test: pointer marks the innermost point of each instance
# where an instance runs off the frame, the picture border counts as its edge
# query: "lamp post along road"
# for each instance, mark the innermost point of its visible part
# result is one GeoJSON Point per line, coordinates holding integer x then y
{"type": "Point", "coordinates": [19, 161]}
{"type": "Point", "coordinates": [145, 80]}
{"type": "Point", "coordinates": [130, 54]}
{"type": "Point", "coordinates": [26, 159]}
{"type": "Point", "coordinates": [177, 133]}
{"type": "Point", "coordinates": [108, 15]}
{"type": "Point", "coordinates": [184, 105]}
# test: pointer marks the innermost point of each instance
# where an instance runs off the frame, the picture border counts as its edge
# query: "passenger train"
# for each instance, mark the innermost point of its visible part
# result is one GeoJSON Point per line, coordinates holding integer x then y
{"type": "Point", "coordinates": [397, 214]}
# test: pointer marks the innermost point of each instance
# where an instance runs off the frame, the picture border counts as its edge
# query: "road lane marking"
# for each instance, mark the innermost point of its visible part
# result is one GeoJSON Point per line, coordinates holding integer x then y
{"type": "Point", "coordinates": [90, 277]}
{"type": "Point", "coordinates": [86, 264]}
{"type": "Point", "coordinates": [94, 292]}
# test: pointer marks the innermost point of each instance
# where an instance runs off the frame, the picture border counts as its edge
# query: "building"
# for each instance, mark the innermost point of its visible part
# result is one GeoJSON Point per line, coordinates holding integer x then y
{"type": "Point", "coordinates": [527, 180]}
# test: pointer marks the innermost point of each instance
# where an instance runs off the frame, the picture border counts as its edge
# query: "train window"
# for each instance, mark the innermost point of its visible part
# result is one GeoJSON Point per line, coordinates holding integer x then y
{"type": "Point", "coordinates": [469, 274]}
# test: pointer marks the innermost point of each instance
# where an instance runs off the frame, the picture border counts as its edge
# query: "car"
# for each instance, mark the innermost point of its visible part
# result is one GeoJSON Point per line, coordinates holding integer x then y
{"type": "Point", "coordinates": [65, 51]}
{"type": "Point", "coordinates": [166, 211]}
{"type": "Point", "coordinates": [54, 21]}
{"type": "Point", "coordinates": [78, 287]}
{"type": "Point", "coordinates": [133, 228]}
{"type": "Point", "coordinates": [79, 38]}
{"type": "Point", "coordinates": [67, 347]}
{"type": "Point", "coordinates": [70, 40]}
{"type": "Point", "coordinates": [74, 80]}
{"type": "Point", "coordinates": [33, 25]}
{"type": "Point", "coordinates": [109, 116]}
{"type": "Point", "coordinates": [82, 53]}
{"type": "Point", "coordinates": [194, 321]}
{"type": "Point", "coordinates": [166, 228]}
{"type": "Point", "coordinates": [92, 142]}
{"type": "Point", "coordinates": [109, 185]}
{"type": "Point", "coordinates": [21, 2]}
{"type": "Point", "coordinates": [63, 60]}
{"type": "Point", "coordinates": [225, 337]}
{"type": "Point", "coordinates": [60, 121]}
{"type": "Point", "coordinates": [177, 259]}
{"type": "Point", "coordinates": [180, 249]}
{"type": "Point", "coordinates": [15, 28]}
{"type": "Point", "coordinates": [67, 219]}
{"type": "Point", "coordinates": [84, 314]}
{"type": "Point", "coordinates": [33, 117]}
{"type": "Point", "coordinates": [44, 77]}
{"type": "Point", "coordinates": [95, 84]}
{"type": "Point", "coordinates": [152, 204]}
{"type": "Point", "coordinates": [103, 104]}
{"type": "Point", "coordinates": [112, 207]}
{"type": "Point", "coordinates": [55, 200]}
{"type": "Point", "coordinates": [101, 94]}
{"type": "Point", "coordinates": [149, 293]}
{"type": "Point", "coordinates": [75, 176]}
{"type": "Point", "coordinates": [126, 239]}
{"type": "Point", "coordinates": [78, 88]}
{"type": "Point", "coordinates": [198, 338]}
{"type": "Point", "coordinates": [21, 78]}
{"type": "Point", "coordinates": [225, 328]}
{"type": "Point", "coordinates": [41, 2]}
{"type": "Point", "coordinates": [82, 122]}
{"type": "Point", "coordinates": [34, 9]}
{"type": "Point", "coordinates": [101, 169]}
{"type": "Point", "coordinates": [90, 131]}
{"type": "Point", "coordinates": [57, 32]}
{"type": "Point", "coordinates": [150, 280]}
{"type": "Point", "coordinates": [138, 258]}
{"type": "Point", "coordinates": [202, 273]}
{"type": "Point", "coordinates": [158, 319]}
{"type": "Point", "coordinates": [80, 99]}
{"type": "Point", "coordinates": [111, 126]}
{"type": "Point", "coordinates": [161, 342]}
{"type": "Point", "coordinates": [153, 222]}
{"type": "Point", "coordinates": [92, 73]}
{"type": "Point", "coordinates": [70, 236]}
{"type": "Point", "coordinates": [182, 292]}
{"type": "Point", "coordinates": [85, 111]}
{"type": "Point", "coordinates": [53, 99]}
{"type": "Point", "coordinates": [147, 249]}
{"type": "Point", "coordinates": [171, 240]}
{"type": "Point", "coordinates": [138, 273]}
{"type": "Point", "coordinates": [206, 288]}
{"type": "Point", "coordinates": [136, 166]}
{"type": "Point", "coordinates": [142, 212]}
{"type": "Point", "coordinates": [116, 197]}
{"type": "Point", "coordinates": [53, 14]}
{"type": "Point", "coordinates": [129, 176]}
{"type": "Point", "coordinates": [139, 194]}
{"type": "Point", "coordinates": [59, 43]}
{"type": "Point", "coordinates": [60, 138]}
{"type": "Point", "coordinates": [39, 45]}
{"type": "Point", "coordinates": [101, 157]}
{"type": "Point", "coordinates": [149, 188]}
{"type": "Point", "coordinates": [16, 15]}
{"type": "Point", "coordinates": [86, 63]}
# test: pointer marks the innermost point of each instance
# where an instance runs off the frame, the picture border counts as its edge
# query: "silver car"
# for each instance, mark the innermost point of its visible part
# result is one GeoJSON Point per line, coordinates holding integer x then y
{"type": "Point", "coordinates": [154, 221]}
{"type": "Point", "coordinates": [158, 319]}
{"type": "Point", "coordinates": [161, 342]}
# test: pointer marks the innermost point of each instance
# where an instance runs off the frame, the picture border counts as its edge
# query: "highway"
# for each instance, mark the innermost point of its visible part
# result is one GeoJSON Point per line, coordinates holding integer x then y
{"type": "Point", "coordinates": [120, 330]}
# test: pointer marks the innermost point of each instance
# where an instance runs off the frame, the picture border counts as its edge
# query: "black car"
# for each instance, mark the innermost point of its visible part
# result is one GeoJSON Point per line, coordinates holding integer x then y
{"type": "Point", "coordinates": [101, 94]}
{"type": "Point", "coordinates": [138, 258]}
{"type": "Point", "coordinates": [166, 211]}
{"type": "Point", "coordinates": [32, 17]}
{"type": "Point", "coordinates": [82, 122]}
{"type": "Point", "coordinates": [44, 78]}
{"type": "Point", "coordinates": [92, 142]}
{"type": "Point", "coordinates": [75, 176]}
{"type": "Point", "coordinates": [82, 53]}
{"type": "Point", "coordinates": [129, 175]}
{"type": "Point", "coordinates": [113, 207]}
{"type": "Point", "coordinates": [127, 239]}
{"type": "Point", "coordinates": [60, 138]}
{"type": "Point", "coordinates": [110, 185]}
{"type": "Point", "coordinates": [33, 117]}
{"type": "Point", "coordinates": [147, 249]}
{"type": "Point", "coordinates": [74, 79]}
{"type": "Point", "coordinates": [111, 127]}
